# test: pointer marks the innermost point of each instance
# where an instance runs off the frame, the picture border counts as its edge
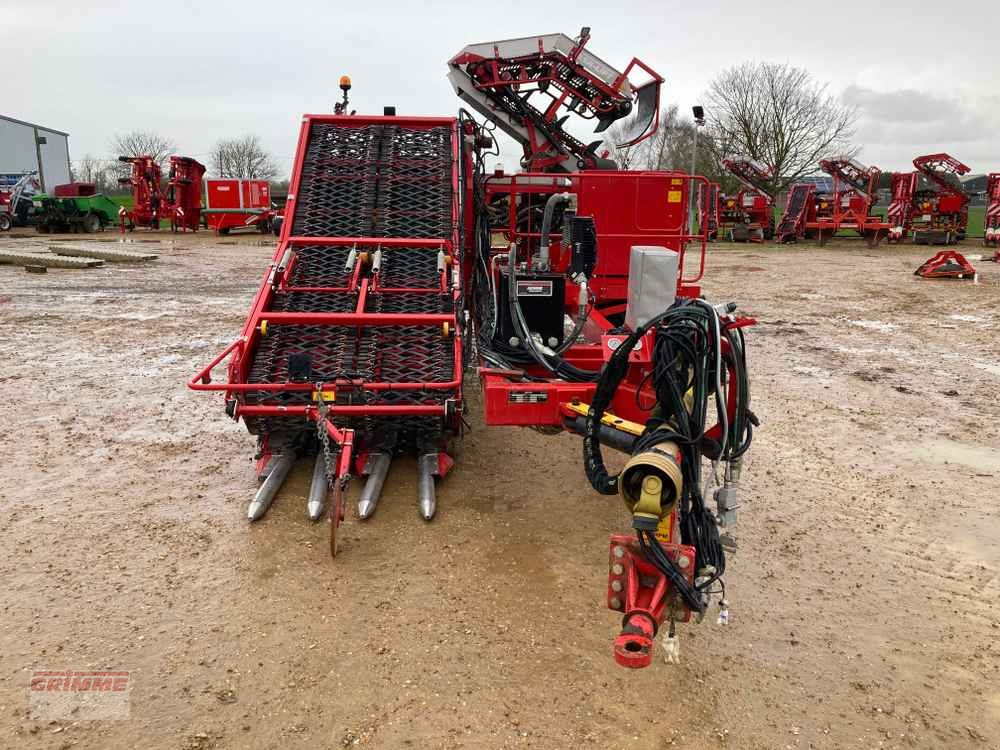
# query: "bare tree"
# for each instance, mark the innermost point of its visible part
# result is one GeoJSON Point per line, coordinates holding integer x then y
{"type": "Point", "coordinates": [143, 143]}
{"type": "Point", "coordinates": [626, 158]}
{"type": "Point", "coordinates": [779, 116]}
{"type": "Point", "coordinates": [101, 172]}
{"type": "Point", "coordinates": [242, 158]}
{"type": "Point", "coordinates": [669, 148]}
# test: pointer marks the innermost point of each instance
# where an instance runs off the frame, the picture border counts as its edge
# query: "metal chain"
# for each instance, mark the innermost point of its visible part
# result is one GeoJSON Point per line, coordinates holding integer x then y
{"type": "Point", "coordinates": [323, 435]}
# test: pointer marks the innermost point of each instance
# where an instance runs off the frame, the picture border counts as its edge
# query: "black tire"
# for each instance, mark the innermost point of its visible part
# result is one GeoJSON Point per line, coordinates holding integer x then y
{"type": "Point", "coordinates": [6, 222]}
{"type": "Point", "coordinates": [264, 227]}
{"type": "Point", "coordinates": [42, 228]}
{"type": "Point", "coordinates": [276, 226]}
{"type": "Point", "coordinates": [91, 223]}
{"type": "Point", "coordinates": [223, 231]}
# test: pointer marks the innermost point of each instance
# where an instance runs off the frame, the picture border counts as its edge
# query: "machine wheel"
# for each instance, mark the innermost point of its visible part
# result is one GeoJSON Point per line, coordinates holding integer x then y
{"type": "Point", "coordinates": [276, 226]}
{"type": "Point", "coordinates": [91, 223]}
{"type": "Point", "coordinates": [223, 231]}
{"type": "Point", "coordinates": [5, 222]}
{"type": "Point", "coordinates": [42, 228]}
{"type": "Point", "coordinates": [264, 227]}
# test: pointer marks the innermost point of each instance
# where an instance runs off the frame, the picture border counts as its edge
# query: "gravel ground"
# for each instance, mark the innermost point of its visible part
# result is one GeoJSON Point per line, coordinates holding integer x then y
{"type": "Point", "coordinates": [864, 590]}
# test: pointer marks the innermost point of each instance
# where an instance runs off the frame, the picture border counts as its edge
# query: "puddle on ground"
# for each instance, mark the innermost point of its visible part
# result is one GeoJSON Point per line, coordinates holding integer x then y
{"type": "Point", "coordinates": [988, 366]}
{"type": "Point", "coordinates": [874, 325]}
{"type": "Point", "coordinates": [968, 318]}
{"type": "Point", "coordinates": [977, 457]}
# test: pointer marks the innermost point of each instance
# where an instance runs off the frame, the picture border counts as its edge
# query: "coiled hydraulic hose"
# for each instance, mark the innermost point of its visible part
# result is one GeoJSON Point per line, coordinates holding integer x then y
{"type": "Point", "coordinates": [689, 366]}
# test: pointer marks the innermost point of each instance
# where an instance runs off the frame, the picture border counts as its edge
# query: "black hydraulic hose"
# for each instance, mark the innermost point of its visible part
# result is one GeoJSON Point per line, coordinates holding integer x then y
{"type": "Point", "coordinates": [550, 209]}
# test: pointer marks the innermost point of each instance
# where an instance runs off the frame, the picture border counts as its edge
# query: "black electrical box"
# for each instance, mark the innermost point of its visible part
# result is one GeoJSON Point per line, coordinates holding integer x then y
{"type": "Point", "coordinates": [542, 298]}
{"type": "Point", "coordinates": [580, 236]}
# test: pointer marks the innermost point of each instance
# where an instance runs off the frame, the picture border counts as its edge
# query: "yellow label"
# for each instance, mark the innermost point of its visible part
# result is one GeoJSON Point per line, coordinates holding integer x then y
{"type": "Point", "coordinates": [327, 396]}
{"type": "Point", "coordinates": [676, 181]}
{"type": "Point", "coordinates": [674, 196]}
{"type": "Point", "coordinates": [632, 428]}
{"type": "Point", "coordinates": [665, 529]}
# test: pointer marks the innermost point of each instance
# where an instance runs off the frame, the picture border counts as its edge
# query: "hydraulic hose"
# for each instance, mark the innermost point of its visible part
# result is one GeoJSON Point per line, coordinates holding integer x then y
{"type": "Point", "coordinates": [550, 209]}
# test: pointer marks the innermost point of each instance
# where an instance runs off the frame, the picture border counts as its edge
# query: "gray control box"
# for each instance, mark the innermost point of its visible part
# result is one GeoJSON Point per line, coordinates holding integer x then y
{"type": "Point", "coordinates": [652, 283]}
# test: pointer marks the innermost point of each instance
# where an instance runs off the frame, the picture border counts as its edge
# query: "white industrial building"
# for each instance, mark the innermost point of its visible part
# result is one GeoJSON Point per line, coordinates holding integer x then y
{"type": "Point", "coordinates": [26, 147]}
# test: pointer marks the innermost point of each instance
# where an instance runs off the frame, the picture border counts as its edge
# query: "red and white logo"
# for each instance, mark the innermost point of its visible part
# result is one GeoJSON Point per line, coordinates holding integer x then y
{"type": "Point", "coordinates": [80, 695]}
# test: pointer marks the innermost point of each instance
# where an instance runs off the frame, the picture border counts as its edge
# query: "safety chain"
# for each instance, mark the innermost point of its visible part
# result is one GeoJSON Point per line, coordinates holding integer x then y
{"type": "Point", "coordinates": [323, 435]}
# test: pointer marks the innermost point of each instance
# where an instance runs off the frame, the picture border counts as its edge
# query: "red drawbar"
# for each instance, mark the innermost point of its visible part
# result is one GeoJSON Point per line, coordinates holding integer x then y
{"type": "Point", "coordinates": [643, 594]}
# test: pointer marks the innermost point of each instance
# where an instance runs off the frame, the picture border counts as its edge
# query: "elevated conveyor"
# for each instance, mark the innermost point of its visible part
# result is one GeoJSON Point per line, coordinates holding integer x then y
{"type": "Point", "coordinates": [354, 326]}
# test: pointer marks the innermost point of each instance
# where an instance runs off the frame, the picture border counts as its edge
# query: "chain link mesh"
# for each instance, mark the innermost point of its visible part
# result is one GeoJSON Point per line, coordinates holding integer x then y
{"type": "Point", "coordinates": [376, 181]}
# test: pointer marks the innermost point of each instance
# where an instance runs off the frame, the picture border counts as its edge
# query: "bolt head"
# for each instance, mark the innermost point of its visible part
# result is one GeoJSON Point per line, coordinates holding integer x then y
{"type": "Point", "coordinates": [619, 552]}
{"type": "Point", "coordinates": [617, 569]}
{"type": "Point", "coordinates": [615, 603]}
{"type": "Point", "coordinates": [683, 561]}
{"type": "Point", "coordinates": [616, 586]}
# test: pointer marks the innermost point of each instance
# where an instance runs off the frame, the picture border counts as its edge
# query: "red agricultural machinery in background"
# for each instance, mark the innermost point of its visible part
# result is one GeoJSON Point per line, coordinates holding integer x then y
{"type": "Point", "coordinates": [238, 204]}
{"type": "Point", "coordinates": [899, 214]}
{"type": "Point", "coordinates": [749, 215]}
{"type": "Point", "coordinates": [404, 263]}
{"type": "Point", "coordinates": [991, 221]}
{"type": "Point", "coordinates": [15, 202]}
{"type": "Point", "coordinates": [709, 201]}
{"type": "Point", "coordinates": [178, 201]}
{"type": "Point", "coordinates": [820, 216]}
{"type": "Point", "coordinates": [935, 215]}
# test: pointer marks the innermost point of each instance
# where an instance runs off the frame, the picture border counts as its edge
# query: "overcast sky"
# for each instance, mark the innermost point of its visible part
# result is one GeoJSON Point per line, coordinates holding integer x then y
{"type": "Point", "coordinates": [923, 75]}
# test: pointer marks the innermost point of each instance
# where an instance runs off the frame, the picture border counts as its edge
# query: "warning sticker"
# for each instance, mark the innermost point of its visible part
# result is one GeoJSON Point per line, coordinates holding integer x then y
{"type": "Point", "coordinates": [674, 196]}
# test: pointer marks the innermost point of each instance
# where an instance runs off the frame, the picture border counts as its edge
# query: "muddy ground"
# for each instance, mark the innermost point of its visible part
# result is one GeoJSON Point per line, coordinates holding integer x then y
{"type": "Point", "coordinates": [864, 590]}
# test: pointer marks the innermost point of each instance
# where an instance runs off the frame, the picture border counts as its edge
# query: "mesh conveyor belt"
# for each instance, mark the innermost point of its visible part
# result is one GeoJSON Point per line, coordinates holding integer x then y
{"type": "Point", "coordinates": [793, 211]}
{"type": "Point", "coordinates": [376, 181]}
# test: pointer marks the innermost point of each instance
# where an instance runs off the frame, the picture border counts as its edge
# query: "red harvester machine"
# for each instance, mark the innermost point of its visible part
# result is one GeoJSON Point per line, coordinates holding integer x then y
{"type": "Point", "coordinates": [237, 204]}
{"type": "Point", "coordinates": [899, 214]}
{"type": "Point", "coordinates": [179, 201]}
{"type": "Point", "coordinates": [991, 221]}
{"type": "Point", "coordinates": [403, 263]}
{"type": "Point", "coordinates": [937, 215]}
{"type": "Point", "coordinates": [709, 202]}
{"type": "Point", "coordinates": [820, 216]}
{"type": "Point", "coordinates": [749, 215]}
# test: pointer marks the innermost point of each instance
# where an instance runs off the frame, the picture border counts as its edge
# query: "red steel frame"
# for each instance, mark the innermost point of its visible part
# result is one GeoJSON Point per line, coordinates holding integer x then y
{"type": "Point", "coordinates": [708, 209]}
{"type": "Point", "coordinates": [257, 215]}
{"type": "Point", "coordinates": [754, 205]}
{"type": "Point", "coordinates": [239, 363]}
{"type": "Point", "coordinates": [849, 208]}
{"type": "Point", "coordinates": [948, 209]}
{"type": "Point", "coordinates": [899, 215]}
{"type": "Point", "coordinates": [609, 197]}
{"type": "Point", "coordinates": [991, 221]}
{"type": "Point", "coordinates": [180, 202]}
{"type": "Point", "coordinates": [275, 279]}
{"type": "Point", "coordinates": [510, 402]}
{"type": "Point", "coordinates": [538, 156]}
